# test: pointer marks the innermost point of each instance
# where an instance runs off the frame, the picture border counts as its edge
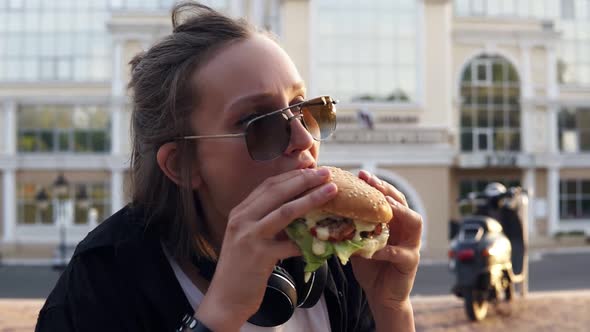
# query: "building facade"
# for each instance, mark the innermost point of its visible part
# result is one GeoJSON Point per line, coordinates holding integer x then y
{"type": "Point", "coordinates": [437, 97]}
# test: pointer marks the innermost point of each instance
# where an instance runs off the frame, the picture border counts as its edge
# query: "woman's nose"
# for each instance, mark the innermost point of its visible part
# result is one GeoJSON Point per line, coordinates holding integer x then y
{"type": "Point", "coordinates": [301, 139]}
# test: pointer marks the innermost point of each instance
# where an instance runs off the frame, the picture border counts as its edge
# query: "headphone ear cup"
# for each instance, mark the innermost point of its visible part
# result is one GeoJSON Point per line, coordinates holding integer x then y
{"type": "Point", "coordinates": [312, 290]}
{"type": "Point", "coordinates": [279, 302]}
{"type": "Point", "coordinates": [308, 293]}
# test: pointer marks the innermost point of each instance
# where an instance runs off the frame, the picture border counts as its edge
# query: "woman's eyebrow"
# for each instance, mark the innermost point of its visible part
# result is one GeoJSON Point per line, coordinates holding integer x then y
{"type": "Point", "coordinates": [264, 97]}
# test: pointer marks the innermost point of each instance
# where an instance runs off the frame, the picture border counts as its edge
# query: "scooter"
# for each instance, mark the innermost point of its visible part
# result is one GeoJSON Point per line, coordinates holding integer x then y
{"type": "Point", "coordinates": [487, 251]}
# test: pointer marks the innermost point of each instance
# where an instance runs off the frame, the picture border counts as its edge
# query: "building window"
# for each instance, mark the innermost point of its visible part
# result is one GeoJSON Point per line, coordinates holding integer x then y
{"type": "Point", "coordinates": [160, 4]}
{"type": "Point", "coordinates": [490, 106]}
{"type": "Point", "coordinates": [574, 130]}
{"type": "Point", "coordinates": [478, 185]}
{"type": "Point", "coordinates": [574, 199]}
{"type": "Point", "coordinates": [538, 9]}
{"type": "Point", "coordinates": [574, 49]}
{"type": "Point", "coordinates": [29, 212]}
{"type": "Point", "coordinates": [467, 186]}
{"type": "Point", "coordinates": [571, 18]}
{"type": "Point", "coordinates": [63, 128]}
{"type": "Point", "coordinates": [95, 206]}
{"type": "Point", "coordinates": [366, 51]}
{"type": "Point", "coordinates": [54, 41]}
{"type": "Point", "coordinates": [98, 206]}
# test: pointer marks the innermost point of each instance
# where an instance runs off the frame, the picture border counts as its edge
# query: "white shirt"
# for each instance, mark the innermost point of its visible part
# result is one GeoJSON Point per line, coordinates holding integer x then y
{"type": "Point", "coordinates": [313, 319]}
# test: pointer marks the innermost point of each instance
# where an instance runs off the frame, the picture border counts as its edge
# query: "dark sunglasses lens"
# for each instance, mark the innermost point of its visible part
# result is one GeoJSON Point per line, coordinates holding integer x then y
{"type": "Point", "coordinates": [320, 118]}
{"type": "Point", "coordinates": [268, 137]}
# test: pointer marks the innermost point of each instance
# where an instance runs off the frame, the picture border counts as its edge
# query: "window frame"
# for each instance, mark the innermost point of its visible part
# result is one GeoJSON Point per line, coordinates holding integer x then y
{"type": "Point", "coordinates": [489, 97]}
{"type": "Point", "coordinates": [69, 203]}
{"type": "Point", "coordinates": [69, 131]}
{"type": "Point", "coordinates": [574, 127]}
{"type": "Point", "coordinates": [414, 103]}
{"type": "Point", "coordinates": [565, 199]}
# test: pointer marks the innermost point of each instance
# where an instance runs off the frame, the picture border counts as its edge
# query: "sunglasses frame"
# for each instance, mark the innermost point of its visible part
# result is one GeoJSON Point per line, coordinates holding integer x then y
{"type": "Point", "coordinates": [317, 101]}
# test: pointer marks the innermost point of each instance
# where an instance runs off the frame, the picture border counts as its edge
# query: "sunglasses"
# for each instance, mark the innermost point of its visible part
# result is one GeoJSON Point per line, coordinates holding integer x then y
{"type": "Point", "coordinates": [268, 135]}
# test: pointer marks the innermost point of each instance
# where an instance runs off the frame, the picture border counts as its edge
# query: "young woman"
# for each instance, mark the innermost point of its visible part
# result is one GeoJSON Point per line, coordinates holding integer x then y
{"type": "Point", "coordinates": [225, 153]}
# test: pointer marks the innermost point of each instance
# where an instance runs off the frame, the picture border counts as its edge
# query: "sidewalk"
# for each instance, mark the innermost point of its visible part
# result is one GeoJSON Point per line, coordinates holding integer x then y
{"type": "Point", "coordinates": [541, 311]}
{"type": "Point", "coordinates": [18, 315]}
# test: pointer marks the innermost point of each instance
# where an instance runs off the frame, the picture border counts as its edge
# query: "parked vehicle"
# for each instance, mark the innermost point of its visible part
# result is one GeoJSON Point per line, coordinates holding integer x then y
{"type": "Point", "coordinates": [487, 252]}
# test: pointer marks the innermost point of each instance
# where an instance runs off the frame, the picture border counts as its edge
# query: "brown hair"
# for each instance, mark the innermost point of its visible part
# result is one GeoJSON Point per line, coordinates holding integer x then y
{"type": "Point", "coordinates": [163, 99]}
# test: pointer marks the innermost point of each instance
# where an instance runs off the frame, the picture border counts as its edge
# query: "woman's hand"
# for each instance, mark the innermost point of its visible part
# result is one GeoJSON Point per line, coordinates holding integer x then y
{"type": "Point", "coordinates": [388, 277]}
{"type": "Point", "coordinates": [254, 242]}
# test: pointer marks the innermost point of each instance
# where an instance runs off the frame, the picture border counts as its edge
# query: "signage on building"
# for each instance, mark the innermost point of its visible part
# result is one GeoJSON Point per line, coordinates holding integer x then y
{"type": "Point", "coordinates": [502, 160]}
{"type": "Point", "coordinates": [392, 136]}
{"type": "Point", "coordinates": [399, 119]}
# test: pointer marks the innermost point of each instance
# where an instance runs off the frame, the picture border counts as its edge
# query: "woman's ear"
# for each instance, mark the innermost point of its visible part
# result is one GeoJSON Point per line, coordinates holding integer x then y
{"type": "Point", "coordinates": [167, 158]}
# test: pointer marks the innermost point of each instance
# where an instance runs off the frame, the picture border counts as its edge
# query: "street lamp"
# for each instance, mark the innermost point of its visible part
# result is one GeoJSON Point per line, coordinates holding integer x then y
{"type": "Point", "coordinates": [82, 199]}
{"type": "Point", "coordinates": [61, 186]}
{"type": "Point", "coordinates": [60, 190]}
{"type": "Point", "coordinates": [61, 193]}
{"type": "Point", "coordinates": [42, 199]}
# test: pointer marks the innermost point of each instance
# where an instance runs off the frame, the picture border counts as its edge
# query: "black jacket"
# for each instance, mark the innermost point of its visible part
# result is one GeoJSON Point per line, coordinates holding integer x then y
{"type": "Point", "coordinates": [120, 280]}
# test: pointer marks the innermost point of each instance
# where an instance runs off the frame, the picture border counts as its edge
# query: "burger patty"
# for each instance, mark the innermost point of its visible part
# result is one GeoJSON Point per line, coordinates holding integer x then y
{"type": "Point", "coordinates": [341, 229]}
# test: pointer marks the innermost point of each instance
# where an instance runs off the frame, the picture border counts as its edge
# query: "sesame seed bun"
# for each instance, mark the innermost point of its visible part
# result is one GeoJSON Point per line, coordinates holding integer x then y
{"type": "Point", "coordinates": [356, 199]}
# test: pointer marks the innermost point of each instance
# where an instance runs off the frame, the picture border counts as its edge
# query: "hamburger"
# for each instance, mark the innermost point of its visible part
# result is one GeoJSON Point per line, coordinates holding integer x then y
{"type": "Point", "coordinates": [353, 222]}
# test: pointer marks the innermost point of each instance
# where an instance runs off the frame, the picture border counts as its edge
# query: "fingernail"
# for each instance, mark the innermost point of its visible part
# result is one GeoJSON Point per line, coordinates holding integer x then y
{"type": "Point", "coordinates": [323, 172]}
{"type": "Point", "coordinates": [329, 188]}
{"type": "Point", "coordinates": [391, 201]}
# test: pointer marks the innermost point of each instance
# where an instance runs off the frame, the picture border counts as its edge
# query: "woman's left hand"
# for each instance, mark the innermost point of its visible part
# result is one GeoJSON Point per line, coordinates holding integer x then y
{"type": "Point", "coordinates": [388, 277]}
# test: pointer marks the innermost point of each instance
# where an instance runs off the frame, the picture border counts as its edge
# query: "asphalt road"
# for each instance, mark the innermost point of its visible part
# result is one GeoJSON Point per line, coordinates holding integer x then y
{"type": "Point", "coordinates": [550, 272]}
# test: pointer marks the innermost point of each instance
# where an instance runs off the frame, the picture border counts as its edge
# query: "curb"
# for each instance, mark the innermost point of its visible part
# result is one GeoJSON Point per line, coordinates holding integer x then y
{"type": "Point", "coordinates": [424, 299]}
{"type": "Point", "coordinates": [18, 301]}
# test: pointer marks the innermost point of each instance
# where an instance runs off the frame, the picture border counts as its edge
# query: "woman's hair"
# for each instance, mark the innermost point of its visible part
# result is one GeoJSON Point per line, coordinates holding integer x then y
{"type": "Point", "coordinates": [163, 99]}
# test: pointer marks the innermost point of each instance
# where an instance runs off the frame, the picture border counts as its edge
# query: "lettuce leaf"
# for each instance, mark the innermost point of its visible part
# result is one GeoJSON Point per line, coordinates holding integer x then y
{"type": "Point", "coordinates": [299, 233]}
{"type": "Point", "coordinates": [345, 249]}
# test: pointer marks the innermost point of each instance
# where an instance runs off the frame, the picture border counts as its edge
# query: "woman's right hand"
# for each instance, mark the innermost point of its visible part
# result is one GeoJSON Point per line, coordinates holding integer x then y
{"type": "Point", "coordinates": [254, 242]}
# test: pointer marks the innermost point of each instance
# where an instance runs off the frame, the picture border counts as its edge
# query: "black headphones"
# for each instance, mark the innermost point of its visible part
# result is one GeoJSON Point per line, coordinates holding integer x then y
{"type": "Point", "coordinates": [286, 289]}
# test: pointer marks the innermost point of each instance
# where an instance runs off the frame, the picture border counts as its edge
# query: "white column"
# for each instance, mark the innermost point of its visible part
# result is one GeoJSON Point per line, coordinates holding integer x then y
{"type": "Point", "coordinates": [9, 205]}
{"type": "Point", "coordinates": [256, 14]}
{"type": "Point", "coordinates": [116, 127]}
{"type": "Point", "coordinates": [8, 175]}
{"type": "Point", "coordinates": [117, 88]}
{"type": "Point", "coordinates": [9, 127]}
{"type": "Point", "coordinates": [527, 87]}
{"type": "Point", "coordinates": [117, 93]}
{"type": "Point", "coordinates": [116, 190]}
{"type": "Point", "coordinates": [552, 86]}
{"type": "Point", "coordinates": [145, 44]}
{"type": "Point", "coordinates": [236, 8]}
{"type": "Point", "coordinates": [529, 185]}
{"type": "Point", "coordinates": [552, 144]}
{"type": "Point", "coordinates": [526, 128]}
{"type": "Point", "coordinates": [527, 94]}
{"type": "Point", "coordinates": [553, 199]}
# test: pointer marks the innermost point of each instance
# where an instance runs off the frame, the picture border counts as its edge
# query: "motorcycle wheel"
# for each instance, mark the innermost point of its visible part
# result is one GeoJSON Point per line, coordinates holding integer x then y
{"type": "Point", "coordinates": [509, 292]}
{"type": "Point", "coordinates": [476, 306]}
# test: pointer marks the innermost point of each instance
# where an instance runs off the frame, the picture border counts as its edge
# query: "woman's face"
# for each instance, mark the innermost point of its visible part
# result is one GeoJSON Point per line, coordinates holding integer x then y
{"type": "Point", "coordinates": [246, 77]}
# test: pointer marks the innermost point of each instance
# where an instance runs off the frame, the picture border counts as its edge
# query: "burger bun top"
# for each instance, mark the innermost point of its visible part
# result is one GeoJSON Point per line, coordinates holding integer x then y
{"type": "Point", "coordinates": [356, 199]}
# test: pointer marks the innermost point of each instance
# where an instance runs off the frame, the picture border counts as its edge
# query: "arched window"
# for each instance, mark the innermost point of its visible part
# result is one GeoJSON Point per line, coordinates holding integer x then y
{"type": "Point", "coordinates": [400, 187]}
{"type": "Point", "coordinates": [412, 197]}
{"type": "Point", "coordinates": [490, 106]}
